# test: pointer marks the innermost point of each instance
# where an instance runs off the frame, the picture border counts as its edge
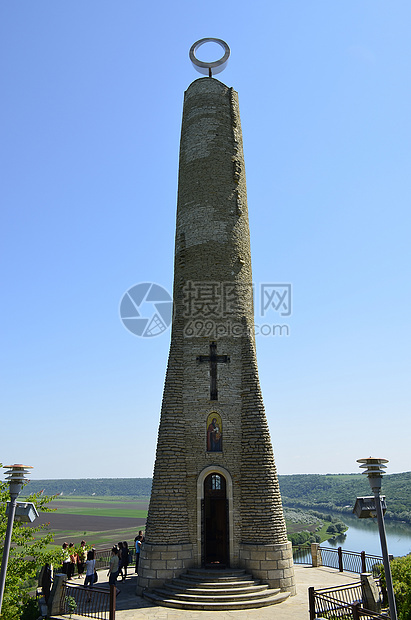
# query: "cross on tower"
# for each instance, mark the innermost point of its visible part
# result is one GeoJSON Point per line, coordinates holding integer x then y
{"type": "Point", "coordinates": [214, 359]}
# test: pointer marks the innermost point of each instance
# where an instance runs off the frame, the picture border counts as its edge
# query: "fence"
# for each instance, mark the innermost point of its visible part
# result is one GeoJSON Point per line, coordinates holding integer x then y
{"type": "Point", "coordinates": [92, 602]}
{"type": "Point", "coordinates": [342, 603]}
{"type": "Point", "coordinates": [103, 556]}
{"type": "Point", "coordinates": [340, 559]}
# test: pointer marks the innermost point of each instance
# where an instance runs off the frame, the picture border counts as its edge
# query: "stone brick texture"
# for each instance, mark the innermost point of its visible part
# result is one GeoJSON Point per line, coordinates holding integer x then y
{"type": "Point", "coordinates": [212, 253]}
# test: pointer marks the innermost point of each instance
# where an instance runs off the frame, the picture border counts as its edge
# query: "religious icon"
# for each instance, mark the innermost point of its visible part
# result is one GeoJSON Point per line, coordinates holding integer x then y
{"type": "Point", "coordinates": [214, 433]}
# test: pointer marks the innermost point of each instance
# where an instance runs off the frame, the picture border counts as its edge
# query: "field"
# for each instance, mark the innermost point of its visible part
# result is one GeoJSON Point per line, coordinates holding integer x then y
{"type": "Point", "coordinates": [103, 521]}
{"type": "Point", "coordinates": [100, 521]}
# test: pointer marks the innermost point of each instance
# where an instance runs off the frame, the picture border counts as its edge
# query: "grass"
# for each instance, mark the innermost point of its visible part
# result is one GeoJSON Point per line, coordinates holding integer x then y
{"type": "Point", "coordinates": [101, 499]}
{"type": "Point", "coordinates": [300, 527]}
{"type": "Point", "coordinates": [90, 507]}
{"type": "Point", "coordinates": [104, 512]}
{"type": "Point", "coordinates": [60, 501]}
{"type": "Point", "coordinates": [99, 540]}
{"type": "Point", "coordinates": [324, 535]}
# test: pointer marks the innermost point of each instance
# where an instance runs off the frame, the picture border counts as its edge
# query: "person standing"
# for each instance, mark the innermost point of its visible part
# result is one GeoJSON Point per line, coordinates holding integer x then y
{"type": "Point", "coordinates": [73, 561]}
{"type": "Point", "coordinates": [90, 569]}
{"type": "Point", "coordinates": [66, 559]}
{"type": "Point", "coordinates": [125, 558]}
{"type": "Point", "coordinates": [46, 581]}
{"type": "Point", "coordinates": [113, 568]}
{"type": "Point", "coordinates": [120, 559]}
{"type": "Point", "coordinates": [81, 558]}
{"type": "Point", "coordinates": [138, 548]}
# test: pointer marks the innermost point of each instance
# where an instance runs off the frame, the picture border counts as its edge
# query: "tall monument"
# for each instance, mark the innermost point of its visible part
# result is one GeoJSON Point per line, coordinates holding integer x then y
{"type": "Point", "coordinates": [215, 498]}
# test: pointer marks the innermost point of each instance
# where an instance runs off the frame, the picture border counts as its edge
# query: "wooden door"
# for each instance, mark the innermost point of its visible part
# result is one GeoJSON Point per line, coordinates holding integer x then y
{"type": "Point", "coordinates": [215, 522]}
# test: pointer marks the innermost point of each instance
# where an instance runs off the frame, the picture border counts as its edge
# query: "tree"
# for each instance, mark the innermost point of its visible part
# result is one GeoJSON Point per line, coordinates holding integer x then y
{"type": "Point", "coordinates": [401, 581]}
{"type": "Point", "coordinates": [27, 554]}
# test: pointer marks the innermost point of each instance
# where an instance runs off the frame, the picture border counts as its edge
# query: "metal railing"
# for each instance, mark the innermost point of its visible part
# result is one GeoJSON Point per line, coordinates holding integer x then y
{"type": "Point", "coordinates": [302, 554]}
{"type": "Point", "coordinates": [341, 602]}
{"type": "Point", "coordinates": [102, 557]}
{"type": "Point", "coordinates": [351, 561]}
{"type": "Point", "coordinates": [95, 602]}
{"type": "Point", "coordinates": [342, 560]}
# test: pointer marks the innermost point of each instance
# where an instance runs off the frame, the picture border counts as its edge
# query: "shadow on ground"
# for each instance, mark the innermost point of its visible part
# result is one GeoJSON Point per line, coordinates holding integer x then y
{"type": "Point", "coordinates": [127, 598]}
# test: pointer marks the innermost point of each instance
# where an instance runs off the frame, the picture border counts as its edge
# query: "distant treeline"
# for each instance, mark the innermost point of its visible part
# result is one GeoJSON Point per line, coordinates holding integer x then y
{"type": "Point", "coordinates": [329, 492]}
{"type": "Point", "coordinates": [87, 487]}
{"type": "Point", "coordinates": [338, 492]}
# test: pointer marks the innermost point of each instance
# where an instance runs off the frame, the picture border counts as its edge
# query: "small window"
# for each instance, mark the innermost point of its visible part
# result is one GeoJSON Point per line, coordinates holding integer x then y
{"type": "Point", "coordinates": [214, 485]}
{"type": "Point", "coordinates": [215, 482]}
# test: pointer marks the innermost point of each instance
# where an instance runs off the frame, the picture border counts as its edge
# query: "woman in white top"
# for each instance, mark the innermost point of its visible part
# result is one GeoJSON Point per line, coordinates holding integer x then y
{"type": "Point", "coordinates": [90, 568]}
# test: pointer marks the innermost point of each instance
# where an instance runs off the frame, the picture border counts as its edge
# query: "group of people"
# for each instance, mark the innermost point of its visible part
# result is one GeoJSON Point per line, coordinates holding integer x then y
{"type": "Point", "coordinates": [73, 557]}
{"type": "Point", "coordinates": [119, 561]}
{"type": "Point", "coordinates": [85, 560]}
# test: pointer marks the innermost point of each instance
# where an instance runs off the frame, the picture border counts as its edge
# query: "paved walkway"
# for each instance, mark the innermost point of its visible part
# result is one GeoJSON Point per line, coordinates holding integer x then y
{"type": "Point", "coordinates": [132, 607]}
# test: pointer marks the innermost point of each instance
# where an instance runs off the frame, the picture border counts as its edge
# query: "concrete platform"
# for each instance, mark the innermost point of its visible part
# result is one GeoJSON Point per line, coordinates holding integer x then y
{"type": "Point", "coordinates": [132, 607]}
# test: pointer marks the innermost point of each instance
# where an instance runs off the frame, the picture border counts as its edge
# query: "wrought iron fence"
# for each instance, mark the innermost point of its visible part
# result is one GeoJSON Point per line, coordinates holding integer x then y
{"type": "Point", "coordinates": [342, 560]}
{"type": "Point", "coordinates": [92, 602]}
{"type": "Point", "coordinates": [340, 603]}
{"type": "Point", "coordinates": [302, 554]}
{"type": "Point", "coordinates": [351, 561]}
{"type": "Point", "coordinates": [103, 556]}
{"type": "Point", "coordinates": [373, 564]}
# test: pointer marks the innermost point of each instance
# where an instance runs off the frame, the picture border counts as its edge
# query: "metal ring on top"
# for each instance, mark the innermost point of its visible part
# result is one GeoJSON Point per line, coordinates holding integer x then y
{"type": "Point", "coordinates": [208, 68]}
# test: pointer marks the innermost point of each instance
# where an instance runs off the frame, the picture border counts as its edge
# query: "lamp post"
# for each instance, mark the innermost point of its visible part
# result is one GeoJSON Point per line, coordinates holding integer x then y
{"type": "Point", "coordinates": [16, 479]}
{"type": "Point", "coordinates": [374, 468]}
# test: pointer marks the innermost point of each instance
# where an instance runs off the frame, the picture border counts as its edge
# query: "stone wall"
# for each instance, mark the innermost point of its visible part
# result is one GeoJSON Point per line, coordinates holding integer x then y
{"type": "Point", "coordinates": [273, 564]}
{"type": "Point", "coordinates": [161, 562]}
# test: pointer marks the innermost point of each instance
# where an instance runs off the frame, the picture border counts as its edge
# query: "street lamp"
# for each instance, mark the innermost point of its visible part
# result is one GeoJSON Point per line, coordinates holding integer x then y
{"type": "Point", "coordinates": [374, 468]}
{"type": "Point", "coordinates": [16, 479]}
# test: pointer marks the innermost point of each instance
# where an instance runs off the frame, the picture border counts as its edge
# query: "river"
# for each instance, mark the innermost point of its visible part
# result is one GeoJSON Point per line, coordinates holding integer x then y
{"type": "Point", "coordinates": [362, 535]}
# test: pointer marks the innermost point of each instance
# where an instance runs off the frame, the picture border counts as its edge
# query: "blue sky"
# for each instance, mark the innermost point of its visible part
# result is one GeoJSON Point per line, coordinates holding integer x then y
{"type": "Point", "coordinates": [91, 109]}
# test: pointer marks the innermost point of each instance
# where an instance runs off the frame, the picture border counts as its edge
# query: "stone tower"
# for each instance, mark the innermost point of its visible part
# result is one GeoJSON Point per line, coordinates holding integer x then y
{"type": "Point", "coordinates": [215, 498]}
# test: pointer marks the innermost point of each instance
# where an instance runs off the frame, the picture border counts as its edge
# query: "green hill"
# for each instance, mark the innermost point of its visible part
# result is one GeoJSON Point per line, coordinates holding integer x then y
{"type": "Point", "coordinates": [338, 492]}
{"type": "Point", "coordinates": [333, 492]}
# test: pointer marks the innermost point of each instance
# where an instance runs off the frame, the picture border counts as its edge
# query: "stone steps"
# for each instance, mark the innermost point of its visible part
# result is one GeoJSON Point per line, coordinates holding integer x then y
{"type": "Point", "coordinates": [215, 590]}
{"type": "Point", "coordinates": [216, 575]}
{"type": "Point", "coordinates": [221, 588]}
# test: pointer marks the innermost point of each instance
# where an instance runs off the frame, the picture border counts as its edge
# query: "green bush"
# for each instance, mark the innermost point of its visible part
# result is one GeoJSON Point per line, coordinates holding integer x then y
{"type": "Point", "coordinates": [299, 538]}
{"type": "Point", "coordinates": [71, 604]}
{"type": "Point", "coordinates": [30, 609]}
{"type": "Point", "coordinates": [401, 579]}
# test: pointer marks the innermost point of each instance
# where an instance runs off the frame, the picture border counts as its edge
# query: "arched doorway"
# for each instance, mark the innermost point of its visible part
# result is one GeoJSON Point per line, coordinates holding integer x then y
{"type": "Point", "coordinates": [215, 539]}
